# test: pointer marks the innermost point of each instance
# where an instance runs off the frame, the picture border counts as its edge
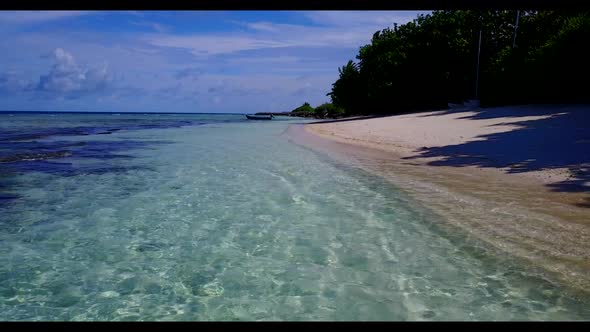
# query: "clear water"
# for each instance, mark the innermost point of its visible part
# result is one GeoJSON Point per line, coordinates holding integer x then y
{"type": "Point", "coordinates": [212, 217]}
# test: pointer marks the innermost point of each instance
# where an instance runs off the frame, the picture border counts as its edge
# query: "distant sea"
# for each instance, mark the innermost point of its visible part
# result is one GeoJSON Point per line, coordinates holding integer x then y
{"type": "Point", "coordinates": [117, 216]}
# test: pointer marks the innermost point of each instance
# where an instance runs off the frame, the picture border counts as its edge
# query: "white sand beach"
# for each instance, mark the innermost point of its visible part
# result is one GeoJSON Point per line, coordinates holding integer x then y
{"type": "Point", "coordinates": [515, 177]}
{"type": "Point", "coordinates": [546, 143]}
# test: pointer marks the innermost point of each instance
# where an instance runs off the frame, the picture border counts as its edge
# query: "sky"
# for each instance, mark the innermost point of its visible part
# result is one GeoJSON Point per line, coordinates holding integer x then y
{"type": "Point", "coordinates": [185, 61]}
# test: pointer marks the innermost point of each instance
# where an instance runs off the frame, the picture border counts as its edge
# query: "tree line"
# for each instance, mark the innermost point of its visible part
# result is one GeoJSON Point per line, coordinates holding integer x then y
{"type": "Point", "coordinates": [541, 57]}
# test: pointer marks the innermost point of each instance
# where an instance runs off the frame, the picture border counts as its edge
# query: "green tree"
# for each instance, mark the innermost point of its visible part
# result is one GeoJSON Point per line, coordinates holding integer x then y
{"type": "Point", "coordinates": [329, 110]}
{"type": "Point", "coordinates": [304, 110]}
{"type": "Point", "coordinates": [348, 92]}
{"type": "Point", "coordinates": [433, 60]}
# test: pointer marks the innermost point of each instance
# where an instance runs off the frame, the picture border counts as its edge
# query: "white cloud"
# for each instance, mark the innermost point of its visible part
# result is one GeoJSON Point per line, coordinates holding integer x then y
{"type": "Point", "coordinates": [253, 91]}
{"type": "Point", "coordinates": [66, 77]}
{"type": "Point", "coordinates": [12, 82]}
{"type": "Point", "coordinates": [268, 26]}
{"type": "Point", "coordinates": [280, 59]}
{"type": "Point", "coordinates": [152, 25]}
{"type": "Point", "coordinates": [293, 36]}
{"type": "Point", "coordinates": [339, 29]}
{"type": "Point", "coordinates": [259, 65]}
{"type": "Point", "coordinates": [356, 18]}
{"type": "Point", "coordinates": [211, 45]}
{"type": "Point", "coordinates": [28, 17]}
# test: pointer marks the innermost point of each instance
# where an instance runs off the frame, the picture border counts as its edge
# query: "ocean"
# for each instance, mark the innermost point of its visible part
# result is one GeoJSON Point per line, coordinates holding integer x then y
{"type": "Point", "coordinates": [214, 217]}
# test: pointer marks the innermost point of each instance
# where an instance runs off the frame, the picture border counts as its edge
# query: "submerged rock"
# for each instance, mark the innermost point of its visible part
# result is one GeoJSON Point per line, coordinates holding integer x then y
{"type": "Point", "coordinates": [34, 156]}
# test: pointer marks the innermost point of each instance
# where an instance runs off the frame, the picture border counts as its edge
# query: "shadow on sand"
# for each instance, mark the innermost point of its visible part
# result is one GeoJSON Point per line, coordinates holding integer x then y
{"type": "Point", "coordinates": [366, 117]}
{"type": "Point", "coordinates": [560, 140]}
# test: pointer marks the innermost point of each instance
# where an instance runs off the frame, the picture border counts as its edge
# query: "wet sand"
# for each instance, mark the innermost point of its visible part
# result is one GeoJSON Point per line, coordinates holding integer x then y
{"type": "Point", "coordinates": [537, 213]}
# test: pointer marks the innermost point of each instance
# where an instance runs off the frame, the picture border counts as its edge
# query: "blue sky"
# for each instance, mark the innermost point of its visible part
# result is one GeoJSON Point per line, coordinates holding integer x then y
{"type": "Point", "coordinates": [187, 61]}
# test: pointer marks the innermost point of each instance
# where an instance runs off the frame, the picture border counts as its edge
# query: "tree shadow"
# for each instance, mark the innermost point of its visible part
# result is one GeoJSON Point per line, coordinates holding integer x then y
{"type": "Point", "coordinates": [352, 118]}
{"type": "Point", "coordinates": [373, 116]}
{"type": "Point", "coordinates": [560, 140]}
{"type": "Point", "coordinates": [513, 111]}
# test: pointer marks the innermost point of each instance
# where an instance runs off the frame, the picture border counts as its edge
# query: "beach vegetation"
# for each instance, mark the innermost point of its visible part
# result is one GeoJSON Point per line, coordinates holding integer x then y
{"type": "Point", "coordinates": [329, 110]}
{"type": "Point", "coordinates": [304, 110]}
{"type": "Point", "coordinates": [323, 111]}
{"type": "Point", "coordinates": [433, 60]}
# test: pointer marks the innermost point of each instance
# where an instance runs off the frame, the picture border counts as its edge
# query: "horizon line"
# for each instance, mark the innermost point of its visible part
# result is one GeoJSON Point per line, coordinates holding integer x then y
{"type": "Point", "coordinates": [113, 112]}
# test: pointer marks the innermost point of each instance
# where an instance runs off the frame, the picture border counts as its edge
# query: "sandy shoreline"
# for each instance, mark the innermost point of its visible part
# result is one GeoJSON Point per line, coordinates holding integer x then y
{"type": "Point", "coordinates": [413, 135]}
{"type": "Point", "coordinates": [516, 178]}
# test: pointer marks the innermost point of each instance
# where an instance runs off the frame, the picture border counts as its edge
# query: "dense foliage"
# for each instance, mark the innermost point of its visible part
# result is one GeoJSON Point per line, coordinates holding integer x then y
{"type": "Point", "coordinates": [304, 110]}
{"type": "Point", "coordinates": [432, 61]}
{"type": "Point", "coordinates": [328, 110]}
{"type": "Point", "coordinates": [323, 111]}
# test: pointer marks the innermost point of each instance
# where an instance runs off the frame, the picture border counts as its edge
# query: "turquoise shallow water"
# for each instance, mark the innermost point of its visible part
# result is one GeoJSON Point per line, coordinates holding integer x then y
{"type": "Point", "coordinates": [210, 217]}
